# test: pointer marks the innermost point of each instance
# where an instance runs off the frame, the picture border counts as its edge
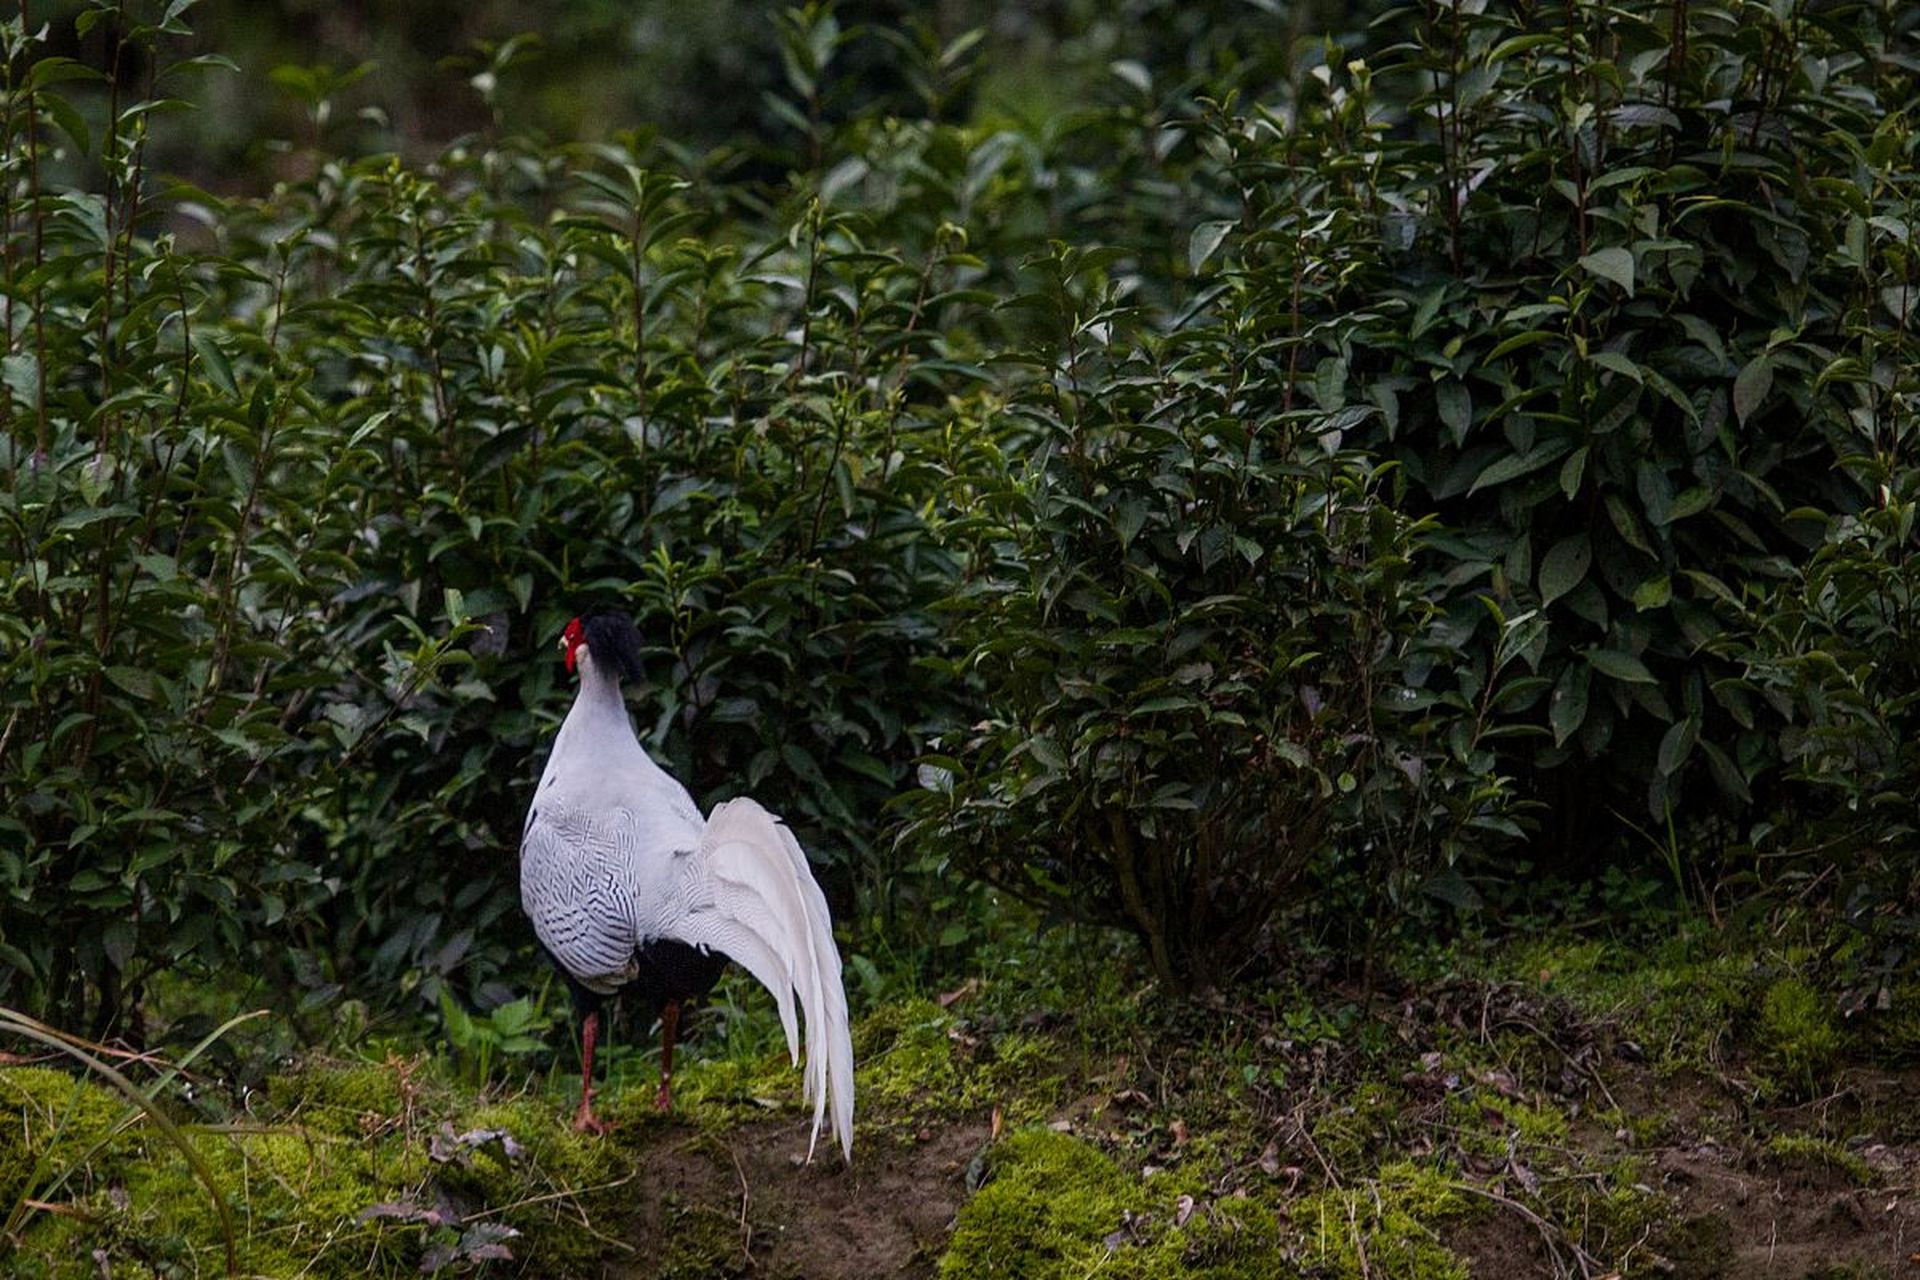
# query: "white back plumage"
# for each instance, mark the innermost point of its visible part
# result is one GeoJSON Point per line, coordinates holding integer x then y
{"type": "Point", "coordinates": [615, 854]}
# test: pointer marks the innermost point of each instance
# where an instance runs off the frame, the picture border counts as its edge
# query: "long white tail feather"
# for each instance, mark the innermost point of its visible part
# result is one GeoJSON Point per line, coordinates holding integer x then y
{"type": "Point", "coordinates": [769, 914]}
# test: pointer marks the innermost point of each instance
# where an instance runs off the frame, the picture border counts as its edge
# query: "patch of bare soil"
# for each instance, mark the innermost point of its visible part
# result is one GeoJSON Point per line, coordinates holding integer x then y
{"type": "Point", "coordinates": [1773, 1219]}
{"type": "Point", "coordinates": [1737, 1210]}
{"type": "Point", "coordinates": [1503, 1245]}
{"type": "Point", "coordinates": [741, 1203]}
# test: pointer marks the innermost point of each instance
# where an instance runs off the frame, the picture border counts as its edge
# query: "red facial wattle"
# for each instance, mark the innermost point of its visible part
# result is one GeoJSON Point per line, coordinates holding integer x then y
{"type": "Point", "coordinates": [570, 641]}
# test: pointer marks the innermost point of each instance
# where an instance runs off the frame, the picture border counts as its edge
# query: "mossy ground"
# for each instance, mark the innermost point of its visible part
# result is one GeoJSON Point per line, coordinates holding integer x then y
{"type": "Point", "coordinates": [1542, 1108]}
{"type": "Point", "coordinates": [342, 1168]}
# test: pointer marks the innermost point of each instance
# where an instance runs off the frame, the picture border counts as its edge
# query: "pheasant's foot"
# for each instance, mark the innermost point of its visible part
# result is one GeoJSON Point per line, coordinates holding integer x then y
{"type": "Point", "coordinates": [584, 1121]}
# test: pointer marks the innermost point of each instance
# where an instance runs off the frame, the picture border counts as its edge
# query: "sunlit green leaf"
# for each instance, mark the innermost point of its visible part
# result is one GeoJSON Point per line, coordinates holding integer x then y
{"type": "Point", "coordinates": [1613, 264]}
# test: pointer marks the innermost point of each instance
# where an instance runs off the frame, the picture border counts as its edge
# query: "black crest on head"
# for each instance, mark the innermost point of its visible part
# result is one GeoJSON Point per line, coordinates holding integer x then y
{"type": "Point", "coordinates": [613, 641]}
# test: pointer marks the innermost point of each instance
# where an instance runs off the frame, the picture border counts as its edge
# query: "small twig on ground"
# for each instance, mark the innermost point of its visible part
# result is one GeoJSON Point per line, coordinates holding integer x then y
{"type": "Point", "coordinates": [746, 1200]}
{"type": "Point", "coordinates": [1359, 1236]}
{"type": "Point", "coordinates": [1333, 1179]}
{"type": "Point", "coordinates": [1553, 1237]}
{"type": "Point", "coordinates": [565, 1193]}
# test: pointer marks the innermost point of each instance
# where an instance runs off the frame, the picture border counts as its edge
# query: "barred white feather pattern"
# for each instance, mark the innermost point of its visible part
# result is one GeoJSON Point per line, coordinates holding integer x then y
{"type": "Point", "coordinates": [615, 855]}
{"type": "Point", "coordinates": [576, 888]}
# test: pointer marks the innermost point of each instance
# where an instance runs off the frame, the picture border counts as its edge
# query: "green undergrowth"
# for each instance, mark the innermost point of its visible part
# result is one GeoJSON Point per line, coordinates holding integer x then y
{"type": "Point", "coordinates": [915, 1063]}
{"type": "Point", "coordinates": [340, 1168]}
{"type": "Point", "coordinates": [1304, 1128]}
{"type": "Point", "coordinates": [1677, 1004]}
{"type": "Point", "coordinates": [923, 1059]}
{"type": "Point", "coordinates": [53, 1123]}
{"type": "Point", "coordinates": [1714, 1003]}
{"type": "Point", "coordinates": [1387, 1225]}
{"type": "Point", "coordinates": [1801, 1151]}
{"type": "Point", "coordinates": [345, 1166]}
{"type": "Point", "coordinates": [1056, 1206]}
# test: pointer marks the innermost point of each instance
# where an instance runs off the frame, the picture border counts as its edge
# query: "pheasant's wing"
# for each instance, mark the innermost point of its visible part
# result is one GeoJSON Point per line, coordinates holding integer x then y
{"type": "Point", "coordinates": [756, 900]}
{"type": "Point", "coordinates": [577, 890]}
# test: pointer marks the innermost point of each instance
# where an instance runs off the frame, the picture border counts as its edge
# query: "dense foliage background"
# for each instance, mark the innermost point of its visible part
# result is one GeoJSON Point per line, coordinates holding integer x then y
{"type": "Point", "coordinates": [1173, 466]}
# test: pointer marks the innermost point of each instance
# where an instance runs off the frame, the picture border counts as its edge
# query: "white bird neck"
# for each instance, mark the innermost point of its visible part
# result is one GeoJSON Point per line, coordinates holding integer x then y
{"type": "Point", "coordinates": [596, 741]}
{"type": "Point", "coordinates": [599, 715]}
{"type": "Point", "coordinates": [598, 758]}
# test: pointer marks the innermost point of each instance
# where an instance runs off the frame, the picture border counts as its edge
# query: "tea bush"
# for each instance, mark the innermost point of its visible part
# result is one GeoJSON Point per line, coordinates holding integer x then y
{"type": "Point", "coordinates": [1292, 463]}
{"type": "Point", "coordinates": [304, 486]}
{"type": "Point", "coordinates": [1208, 664]}
{"type": "Point", "coordinates": [1649, 300]}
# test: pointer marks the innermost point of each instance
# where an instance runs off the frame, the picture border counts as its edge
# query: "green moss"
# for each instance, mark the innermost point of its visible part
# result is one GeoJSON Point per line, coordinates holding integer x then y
{"type": "Point", "coordinates": [699, 1243]}
{"type": "Point", "coordinates": [545, 1188]}
{"type": "Point", "coordinates": [297, 1194]}
{"type": "Point", "coordinates": [351, 1098]}
{"type": "Point", "coordinates": [1697, 1248]}
{"type": "Point", "coordinates": [1803, 1150]}
{"type": "Point", "coordinates": [347, 1136]}
{"type": "Point", "coordinates": [905, 1054]}
{"type": "Point", "coordinates": [552, 1148]}
{"type": "Point", "coordinates": [1385, 1226]}
{"type": "Point", "coordinates": [1681, 1001]}
{"type": "Point", "coordinates": [294, 1195]}
{"type": "Point", "coordinates": [1232, 1239]}
{"type": "Point", "coordinates": [1353, 1136]}
{"type": "Point", "coordinates": [711, 1093]}
{"type": "Point", "coordinates": [1686, 1000]}
{"type": "Point", "coordinates": [49, 1120]}
{"type": "Point", "coordinates": [1054, 1206]}
{"type": "Point", "coordinates": [57, 1141]}
{"type": "Point", "coordinates": [1018, 1072]}
{"type": "Point", "coordinates": [917, 1060]}
{"type": "Point", "coordinates": [43, 1098]}
{"type": "Point", "coordinates": [1644, 1128]}
{"type": "Point", "coordinates": [1611, 1212]}
{"type": "Point", "coordinates": [1048, 1205]}
{"type": "Point", "coordinates": [1487, 1122]}
{"type": "Point", "coordinates": [1797, 1030]}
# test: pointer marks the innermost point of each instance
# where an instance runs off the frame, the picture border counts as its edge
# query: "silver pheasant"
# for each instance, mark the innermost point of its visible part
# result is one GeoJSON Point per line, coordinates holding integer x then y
{"type": "Point", "coordinates": [630, 889]}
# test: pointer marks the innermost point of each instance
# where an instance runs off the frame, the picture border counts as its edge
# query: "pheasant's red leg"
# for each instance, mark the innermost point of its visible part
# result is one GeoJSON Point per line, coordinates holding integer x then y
{"type": "Point", "coordinates": [584, 1120]}
{"type": "Point", "coordinates": [669, 1026]}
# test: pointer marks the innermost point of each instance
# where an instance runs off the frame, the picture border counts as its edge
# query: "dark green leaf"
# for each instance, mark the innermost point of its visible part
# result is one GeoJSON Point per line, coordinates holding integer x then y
{"type": "Point", "coordinates": [1564, 567]}
{"type": "Point", "coordinates": [1456, 408]}
{"type": "Point", "coordinates": [1677, 744]}
{"type": "Point", "coordinates": [1618, 665]}
{"type": "Point", "coordinates": [1567, 706]}
{"type": "Point", "coordinates": [1207, 237]}
{"type": "Point", "coordinates": [1751, 386]}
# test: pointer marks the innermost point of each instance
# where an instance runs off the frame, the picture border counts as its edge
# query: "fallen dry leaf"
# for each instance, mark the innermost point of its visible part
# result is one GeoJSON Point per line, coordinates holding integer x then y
{"type": "Point", "coordinates": [948, 999]}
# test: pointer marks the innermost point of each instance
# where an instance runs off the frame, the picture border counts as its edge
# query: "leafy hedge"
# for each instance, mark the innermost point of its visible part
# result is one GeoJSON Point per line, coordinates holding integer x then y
{"type": "Point", "coordinates": [315, 479]}
{"type": "Point", "coordinates": [1300, 462]}
{"type": "Point", "coordinates": [1651, 332]}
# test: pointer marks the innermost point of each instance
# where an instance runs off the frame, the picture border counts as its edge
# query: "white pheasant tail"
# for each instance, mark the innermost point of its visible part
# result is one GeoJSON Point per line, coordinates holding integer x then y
{"type": "Point", "coordinates": [770, 916]}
